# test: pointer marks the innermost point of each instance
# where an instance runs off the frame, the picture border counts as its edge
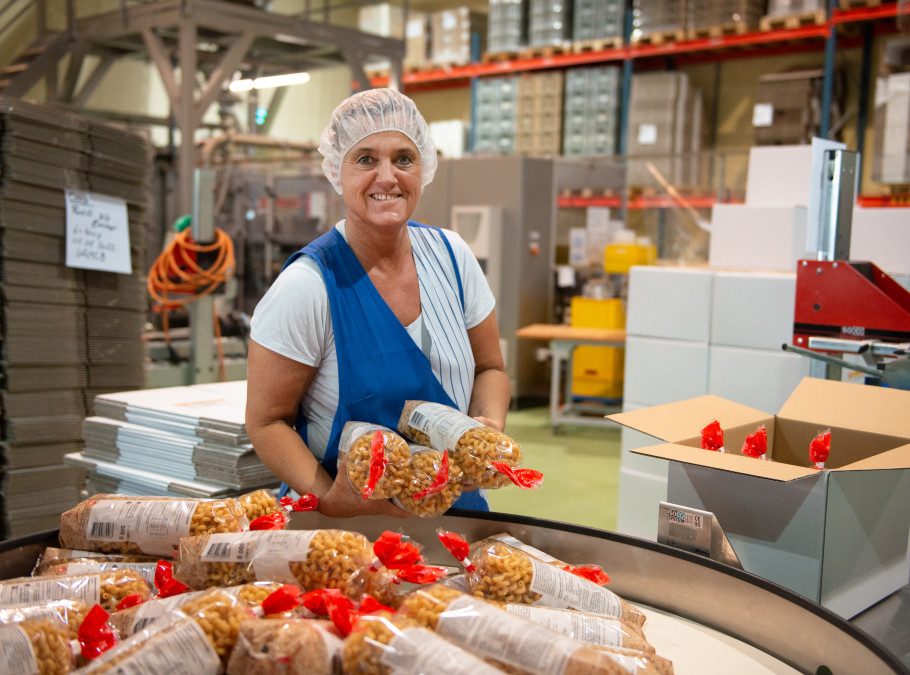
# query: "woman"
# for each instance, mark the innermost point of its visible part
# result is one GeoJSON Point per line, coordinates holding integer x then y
{"type": "Point", "coordinates": [376, 311]}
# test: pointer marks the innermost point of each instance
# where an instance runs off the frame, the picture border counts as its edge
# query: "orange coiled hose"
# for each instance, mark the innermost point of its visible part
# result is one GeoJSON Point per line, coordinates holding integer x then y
{"type": "Point", "coordinates": [176, 279]}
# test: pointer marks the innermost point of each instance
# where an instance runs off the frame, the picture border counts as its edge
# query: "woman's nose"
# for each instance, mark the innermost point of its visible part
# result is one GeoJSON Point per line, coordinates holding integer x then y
{"type": "Point", "coordinates": [385, 171]}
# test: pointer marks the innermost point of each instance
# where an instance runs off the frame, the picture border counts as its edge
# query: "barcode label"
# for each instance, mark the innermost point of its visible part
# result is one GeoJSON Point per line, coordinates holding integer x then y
{"type": "Point", "coordinates": [237, 547]}
{"type": "Point", "coordinates": [101, 530]}
{"type": "Point", "coordinates": [139, 624]}
{"type": "Point", "coordinates": [221, 551]}
{"type": "Point", "coordinates": [418, 419]}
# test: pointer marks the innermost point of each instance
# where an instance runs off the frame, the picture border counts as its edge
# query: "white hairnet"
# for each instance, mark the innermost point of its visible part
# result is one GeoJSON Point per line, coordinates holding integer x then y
{"type": "Point", "coordinates": [369, 112]}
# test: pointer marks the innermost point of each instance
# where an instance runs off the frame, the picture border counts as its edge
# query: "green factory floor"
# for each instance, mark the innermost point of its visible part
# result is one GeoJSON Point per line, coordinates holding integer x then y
{"type": "Point", "coordinates": [580, 466]}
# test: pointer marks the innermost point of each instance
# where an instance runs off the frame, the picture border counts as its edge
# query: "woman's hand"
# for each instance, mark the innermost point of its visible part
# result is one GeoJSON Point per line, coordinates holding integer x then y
{"type": "Point", "coordinates": [342, 501]}
{"type": "Point", "coordinates": [489, 422]}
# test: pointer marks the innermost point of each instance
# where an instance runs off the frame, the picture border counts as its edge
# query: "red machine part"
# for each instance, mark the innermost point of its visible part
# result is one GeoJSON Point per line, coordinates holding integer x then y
{"type": "Point", "coordinates": [848, 300]}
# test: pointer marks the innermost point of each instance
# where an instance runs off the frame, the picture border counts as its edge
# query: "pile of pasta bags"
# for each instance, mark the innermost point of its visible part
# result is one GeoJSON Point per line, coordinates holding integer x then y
{"type": "Point", "coordinates": [187, 586]}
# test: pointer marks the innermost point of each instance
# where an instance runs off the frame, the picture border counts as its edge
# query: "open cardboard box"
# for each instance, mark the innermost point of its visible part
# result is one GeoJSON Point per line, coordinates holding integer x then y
{"type": "Point", "coordinates": [838, 536]}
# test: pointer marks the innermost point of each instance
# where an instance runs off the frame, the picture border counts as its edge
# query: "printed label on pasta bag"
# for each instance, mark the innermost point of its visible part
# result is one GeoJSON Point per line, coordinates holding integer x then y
{"type": "Point", "coordinates": [182, 649]}
{"type": "Point", "coordinates": [43, 590]}
{"type": "Point", "coordinates": [231, 547]}
{"type": "Point", "coordinates": [155, 525]}
{"type": "Point", "coordinates": [563, 589]}
{"type": "Point", "coordinates": [419, 650]}
{"type": "Point", "coordinates": [149, 612]}
{"type": "Point", "coordinates": [277, 550]}
{"type": "Point", "coordinates": [595, 630]}
{"type": "Point", "coordinates": [16, 653]}
{"type": "Point", "coordinates": [488, 631]}
{"type": "Point", "coordinates": [509, 540]}
{"type": "Point", "coordinates": [442, 424]}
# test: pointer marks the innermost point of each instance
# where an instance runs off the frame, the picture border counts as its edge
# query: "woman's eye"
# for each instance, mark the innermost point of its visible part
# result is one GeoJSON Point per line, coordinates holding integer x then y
{"type": "Point", "coordinates": [405, 160]}
{"type": "Point", "coordinates": [364, 159]}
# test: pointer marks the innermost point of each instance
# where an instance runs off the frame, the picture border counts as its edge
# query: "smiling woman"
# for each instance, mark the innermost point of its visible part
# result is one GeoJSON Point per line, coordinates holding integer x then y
{"type": "Point", "coordinates": [377, 311]}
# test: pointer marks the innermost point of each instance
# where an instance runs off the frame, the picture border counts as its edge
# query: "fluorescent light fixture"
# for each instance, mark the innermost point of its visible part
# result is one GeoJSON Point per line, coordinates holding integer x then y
{"type": "Point", "coordinates": [271, 81]}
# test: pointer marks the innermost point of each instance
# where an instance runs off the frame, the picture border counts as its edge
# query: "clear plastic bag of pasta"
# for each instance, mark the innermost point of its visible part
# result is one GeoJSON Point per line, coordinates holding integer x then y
{"type": "Point", "coordinates": [259, 503]}
{"type": "Point", "coordinates": [431, 483]}
{"type": "Point", "coordinates": [382, 644]}
{"type": "Point", "coordinates": [506, 574]}
{"type": "Point", "coordinates": [151, 525]}
{"type": "Point", "coordinates": [504, 638]}
{"type": "Point", "coordinates": [40, 646]}
{"type": "Point", "coordinates": [53, 558]}
{"type": "Point", "coordinates": [176, 644]}
{"type": "Point", "coordinates": [76, 566]}
{"type": "Point", "coordinates": [482, 453]}
{"type": "Point", "coordinates": [376, 459]}
{"type": "Point", "coordinates": [590, 571]}
{"type": "Point", "coordinates": [69, 611]}
{"type": "Point", "coordinates": [107, 589]}
{"type": "Point", "coordinates": [285, 647]}
{"type": "Point", "coordinates": [311, 559]}
{"type": "Point", "coordinates": [593, 629]}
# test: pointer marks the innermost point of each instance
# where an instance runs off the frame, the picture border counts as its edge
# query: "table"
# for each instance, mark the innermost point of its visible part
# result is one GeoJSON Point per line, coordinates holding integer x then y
{"type": "Point", "coordinates": [563, 341]}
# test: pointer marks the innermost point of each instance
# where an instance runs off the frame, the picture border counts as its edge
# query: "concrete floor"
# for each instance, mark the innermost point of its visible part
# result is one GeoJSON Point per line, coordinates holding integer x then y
{"type": "Point", "coordinates": [580, 466]}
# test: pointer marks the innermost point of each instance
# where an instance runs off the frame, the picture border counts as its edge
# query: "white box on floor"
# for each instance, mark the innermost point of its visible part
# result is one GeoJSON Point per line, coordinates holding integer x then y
{"type": "Point", "coordinates": [757, 237]}
{"type": "Point", "coordinates": [642, 483]}
{"type": "Point", "coordinates": [882, 236]}
{"type": "Point", "coordinates": [669, 302]}
{"type": "Point", "coordinates": [758, 378]}
{"type": "Point", "coordinates": [752, 309]}
{"type": "Point", "coordinates": [660, 371]}
{"type": "Point", "coordinates": [779, 175]}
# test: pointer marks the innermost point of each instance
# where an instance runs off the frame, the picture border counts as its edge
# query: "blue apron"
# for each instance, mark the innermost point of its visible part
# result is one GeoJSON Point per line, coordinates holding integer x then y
{"type": "Point", "coordinates": [379, 365]}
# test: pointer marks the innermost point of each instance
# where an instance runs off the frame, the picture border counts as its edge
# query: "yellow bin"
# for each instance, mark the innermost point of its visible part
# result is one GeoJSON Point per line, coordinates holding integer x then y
{"type": "Point", "coordinates": [597, 372]}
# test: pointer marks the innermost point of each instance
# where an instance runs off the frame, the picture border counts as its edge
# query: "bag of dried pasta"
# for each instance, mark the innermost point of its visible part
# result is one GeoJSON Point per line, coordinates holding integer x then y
{"type": "Point", "coordinates": [76, 566]}
{"type": "Point", "coordinates": [376, 459]}
{"type": "Point", "coordinates": [150, 525]}
{"type": "Point", "coordinates": [107, 589]}
{"type": "Point", "coordinates": [495, 634]}
{"type": "Point", "coordinates": [593, 629]}
{"type": "Point", "coordinates": [591, 572]}
{"type": "Point", "coordinates": [507, 574]}
{"type": "Point", "coordinates": [40, 646]}
{"type": "Point", "coordinates": [382, 644]}
{"type": "Point", "coordinates": [474, 447]}
{"type": "Point", "coordinates": [68, 611]}
{"type": "Point", "coordinates": [309, 558]}
{"type": "Point", "coordinates": [259, 503]}
{"type": "Point", "coordinates": [176, 644]}
{"type": "Point", "coordinates": [431, 483]}
{"type": "Point", "coordinates": [52, 557]}
{"type": "Point", "coordinates": [285, 647]}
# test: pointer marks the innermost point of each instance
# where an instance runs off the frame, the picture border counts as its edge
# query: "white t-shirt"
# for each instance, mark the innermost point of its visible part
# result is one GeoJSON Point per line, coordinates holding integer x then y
{"type": "Point", "coordinates": [293, 319]}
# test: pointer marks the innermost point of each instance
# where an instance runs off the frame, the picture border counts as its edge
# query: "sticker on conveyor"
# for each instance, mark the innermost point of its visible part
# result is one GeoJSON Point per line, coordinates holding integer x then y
{"type": "Point", "coordinates": [680, 517]}
{"type": "Point", "coordinates": [419, 650]}
{"type": "Point", "coordinates": [595, 630]}
{"type": "Point", "coordinates": [442, 424]}
{"type": "Point", "coordinates": [490, 632]}
{"type": "Point", "coordinates": [155, 525]}
{"type": "Point", "coordinates": [39, 591]}
{"type": "Point", "coordinates": [16, 653]}
{"type": "Point", "coordinates": [563, 589]}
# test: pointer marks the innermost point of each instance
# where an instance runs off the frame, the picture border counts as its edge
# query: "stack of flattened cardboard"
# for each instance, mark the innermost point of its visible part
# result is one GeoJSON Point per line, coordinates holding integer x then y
{"type": "Point", "coordinates": [60, 341]}
{"type": "Point", "coordinates": [186, 441]}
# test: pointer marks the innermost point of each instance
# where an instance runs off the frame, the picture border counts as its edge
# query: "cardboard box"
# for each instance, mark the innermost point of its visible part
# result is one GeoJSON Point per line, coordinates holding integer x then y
{"type": "Point", "coordinates": [881, 236]}
{"type": "Point", "coordinates": [659, 371]}
{"type": "Point", "coordinates": [771, 238]}
{"type": "Point", "coordinates": [779, 175]}
{"type": "Point", "coordinates": [838, 536]}
{"type": "Point", "coordinates": [759, 378]}
{"type": "Point", "coordinates": [669, 302]}
{"type": "Point", "coordinates": [752, 309]}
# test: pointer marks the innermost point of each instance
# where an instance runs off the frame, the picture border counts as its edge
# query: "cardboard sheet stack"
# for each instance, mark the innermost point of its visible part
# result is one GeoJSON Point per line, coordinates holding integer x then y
{"type": "Point", "coordinates": [67, 333]}
{"type": "Point", "coordinates": [182, 441]}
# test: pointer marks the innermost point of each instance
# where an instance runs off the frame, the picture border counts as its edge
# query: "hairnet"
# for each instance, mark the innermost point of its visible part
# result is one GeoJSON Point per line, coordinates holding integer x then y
{"type": "Point", "coordinates": [369, 112]}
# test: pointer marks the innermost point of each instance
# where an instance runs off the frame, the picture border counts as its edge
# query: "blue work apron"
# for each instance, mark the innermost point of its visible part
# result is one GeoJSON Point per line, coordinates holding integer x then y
{"type": "Point", "coordinates": [379, 365]}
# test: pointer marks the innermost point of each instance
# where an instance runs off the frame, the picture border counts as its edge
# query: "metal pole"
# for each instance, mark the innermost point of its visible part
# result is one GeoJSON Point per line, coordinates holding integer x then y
{"type": "Point", "coordinates": [828, 79]}
{"type": "Point", "coordinates": [202, 320]}
{"type": "Point", "coordinates": [865, 84]}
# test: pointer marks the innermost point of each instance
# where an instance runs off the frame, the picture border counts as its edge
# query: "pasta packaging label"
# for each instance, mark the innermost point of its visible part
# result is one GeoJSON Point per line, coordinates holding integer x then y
{"type": "Point", "coordinates": [151, 524]}
{"type": "Point", "coordinates": [16, 653]}
{"type": "Point", "coordinates": [418, 650]}
{"type": "Point", "coordinates": [269, 554]}
{"type": "Point", "coordinates": [562, 589]}
{"type": "Point", "coordinates": [40, 591]}
{"type": "Point", "coordinates": [441, 423]}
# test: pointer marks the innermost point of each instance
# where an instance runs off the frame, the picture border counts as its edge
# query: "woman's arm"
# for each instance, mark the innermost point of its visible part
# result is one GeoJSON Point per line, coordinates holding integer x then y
{"type": "Point", "coordinates": [275, 387]}
{"type": "Point", "coordinates": [492, 391]}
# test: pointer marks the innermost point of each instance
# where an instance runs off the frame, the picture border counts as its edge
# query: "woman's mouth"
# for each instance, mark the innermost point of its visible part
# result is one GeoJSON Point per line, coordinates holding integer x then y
{"type": "Point", "coordinates": [382, 197]}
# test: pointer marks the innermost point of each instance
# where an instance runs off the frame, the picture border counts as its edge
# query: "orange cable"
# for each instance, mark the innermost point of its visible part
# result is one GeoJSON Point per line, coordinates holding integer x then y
{"type": "Point", "coordinates": [176, 271]}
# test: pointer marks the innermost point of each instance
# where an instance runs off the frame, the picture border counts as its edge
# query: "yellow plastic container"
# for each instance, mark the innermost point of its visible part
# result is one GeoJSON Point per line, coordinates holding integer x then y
{"type": "Point", "coordinates": [597, 372]}
{"type": "Point", "coordinates": [618, 258]}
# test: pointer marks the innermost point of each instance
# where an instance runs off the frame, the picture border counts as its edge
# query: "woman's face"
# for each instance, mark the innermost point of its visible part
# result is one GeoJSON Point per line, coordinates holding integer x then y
{"type": "Point", "coordinates": [381, 179]}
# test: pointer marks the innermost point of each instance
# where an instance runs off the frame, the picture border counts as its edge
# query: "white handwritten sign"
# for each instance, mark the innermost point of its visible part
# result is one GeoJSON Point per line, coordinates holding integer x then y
{"type": "Point", "coordinates": [97, 232]}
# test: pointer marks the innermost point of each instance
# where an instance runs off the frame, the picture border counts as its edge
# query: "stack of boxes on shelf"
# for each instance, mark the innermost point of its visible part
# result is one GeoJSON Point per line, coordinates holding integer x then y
{"type": "Point", "coordinates": [892, 114]}
{"type": "Point", "coordinates": [506, 23]}
{"type": "Point", "coordinates": [495, 114]}
{"type": "Point", "coordinates": [665, 129]}
{"type": "Point", "coordinates": [595, 20]}
{"type": "Point", "coordinates": [549, 23]}
{"type": "Point", "coordinates": [539, 123]}
{"type": "Point", "coordinates": [591, 118]}
{"type": "Point", "coordinates": [68, 333]}
{"type": "Point", "coordinates": [655, 19]}
{"type": "Point", "coordinates": [788, 106]}
{"type": "Point", "coordinates": [457, 36]}
{"type": "Point", "coordinates": [723, 16]}
{"type": "Point", "coordinates": [778, 8]}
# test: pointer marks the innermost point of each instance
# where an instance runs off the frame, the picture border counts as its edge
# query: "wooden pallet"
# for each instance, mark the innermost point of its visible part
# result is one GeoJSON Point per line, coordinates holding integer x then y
{"type": "Point", "coordinates": [660, 37]}
{"type": "Point", "coordinates": [545, 51]}
{"type": "Point", "coordinates": [602, 44]}
{"type": "Point", "coordinates": [850, 4]}
{"type": "Point", "coordinates": [718, 30]}
{"type": "Point", "coordinates": [816, 18]}
{"type": "Point", "coordinates": [499, 57]}
{"type": "Point", "coordinates": [588, 193]}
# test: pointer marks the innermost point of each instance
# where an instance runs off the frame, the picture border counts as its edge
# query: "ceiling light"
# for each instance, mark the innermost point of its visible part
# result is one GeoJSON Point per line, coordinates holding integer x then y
{"type": "Point", "coordinates": [271, 81]}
